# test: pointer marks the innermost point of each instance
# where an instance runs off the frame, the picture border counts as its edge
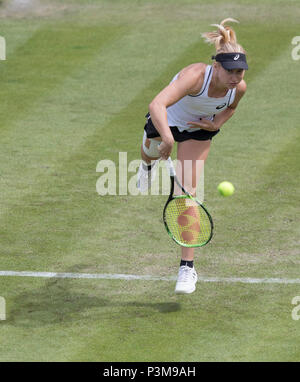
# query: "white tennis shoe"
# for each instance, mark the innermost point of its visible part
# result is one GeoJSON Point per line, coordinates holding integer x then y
{"type": "Point", "coordinates": [187, 279]}
{"type": "Point", "coordinates": [146, 176]}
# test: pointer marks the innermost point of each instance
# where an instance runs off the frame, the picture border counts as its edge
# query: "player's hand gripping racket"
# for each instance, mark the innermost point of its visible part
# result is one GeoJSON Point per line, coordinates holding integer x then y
{"type": "Point", "coordinates": [186, 220]}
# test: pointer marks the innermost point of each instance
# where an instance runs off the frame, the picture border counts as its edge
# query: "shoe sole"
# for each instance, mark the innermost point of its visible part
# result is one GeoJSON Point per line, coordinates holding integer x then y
{"type": "Point", "coordinates": [185, 291]}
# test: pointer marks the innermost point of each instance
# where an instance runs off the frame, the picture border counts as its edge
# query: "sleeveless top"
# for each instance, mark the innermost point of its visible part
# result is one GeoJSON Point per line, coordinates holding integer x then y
{"type": "Point", "coordinates": [193, 107]}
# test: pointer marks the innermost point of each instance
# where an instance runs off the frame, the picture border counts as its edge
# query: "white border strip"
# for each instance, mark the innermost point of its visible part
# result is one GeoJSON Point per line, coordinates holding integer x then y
{"type": "Point", "coordinates": [117, 276]}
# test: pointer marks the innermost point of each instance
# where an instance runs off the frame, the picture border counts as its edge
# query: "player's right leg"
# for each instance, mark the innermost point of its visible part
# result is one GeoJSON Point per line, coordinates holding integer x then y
{"type": "Point", "coordinates": [191, 155]}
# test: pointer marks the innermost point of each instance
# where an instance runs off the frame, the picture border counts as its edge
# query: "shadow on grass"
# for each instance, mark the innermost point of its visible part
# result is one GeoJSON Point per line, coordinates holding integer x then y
{"type": "Point", "coordinates": [61, 301]}
{"type": "Point", "coordinates": [162, 307]}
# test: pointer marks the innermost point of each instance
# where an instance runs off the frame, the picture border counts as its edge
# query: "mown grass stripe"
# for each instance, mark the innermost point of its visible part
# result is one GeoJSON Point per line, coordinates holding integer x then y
{"type": "Point", "coordinates": [44, 61]}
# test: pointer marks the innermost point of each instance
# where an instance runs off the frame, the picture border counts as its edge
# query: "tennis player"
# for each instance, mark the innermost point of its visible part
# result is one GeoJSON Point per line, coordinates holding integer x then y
{"type": "Point", "coordinates": [191, 110]}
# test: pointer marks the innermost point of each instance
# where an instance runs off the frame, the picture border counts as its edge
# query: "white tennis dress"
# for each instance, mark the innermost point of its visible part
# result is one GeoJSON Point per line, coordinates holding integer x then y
{"type": "Point", "coordinates": [193, 107]}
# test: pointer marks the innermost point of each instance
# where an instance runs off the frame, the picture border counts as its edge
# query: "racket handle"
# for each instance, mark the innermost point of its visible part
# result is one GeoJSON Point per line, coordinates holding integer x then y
{"type": "Point", "coordinates": [171, 167]}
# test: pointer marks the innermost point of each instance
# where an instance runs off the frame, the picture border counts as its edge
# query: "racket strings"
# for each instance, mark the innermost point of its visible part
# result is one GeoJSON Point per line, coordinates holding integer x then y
{"type": "Point", "coordinates": [187, 221]}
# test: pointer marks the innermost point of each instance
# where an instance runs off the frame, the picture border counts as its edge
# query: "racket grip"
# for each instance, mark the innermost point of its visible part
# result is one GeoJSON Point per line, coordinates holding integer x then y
{"type": "Point", "coordinates": [171, 167]}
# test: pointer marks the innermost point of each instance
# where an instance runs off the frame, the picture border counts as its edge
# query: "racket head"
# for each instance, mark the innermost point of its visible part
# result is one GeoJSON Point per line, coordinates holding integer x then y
{"type": "Point", "coordinates": [187, 221]}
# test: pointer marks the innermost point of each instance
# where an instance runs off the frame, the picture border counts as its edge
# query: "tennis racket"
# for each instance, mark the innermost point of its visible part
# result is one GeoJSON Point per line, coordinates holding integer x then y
{"type": "Point", "coordinates": [186, 220]}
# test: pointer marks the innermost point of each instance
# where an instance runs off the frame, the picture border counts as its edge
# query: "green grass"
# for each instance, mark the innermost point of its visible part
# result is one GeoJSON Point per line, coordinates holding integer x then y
{"type": "Point", "coordinates": [74, 90]}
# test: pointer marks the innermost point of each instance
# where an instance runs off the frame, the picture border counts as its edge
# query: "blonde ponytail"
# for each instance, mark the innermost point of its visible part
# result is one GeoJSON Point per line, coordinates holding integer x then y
{"type": "Point", "coordinates": [224, 38]}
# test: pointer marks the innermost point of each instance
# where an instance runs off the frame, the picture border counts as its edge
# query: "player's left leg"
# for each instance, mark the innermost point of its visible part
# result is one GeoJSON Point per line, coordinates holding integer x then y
{"type": "Point", "coordinates": [191, 155]}
{"type": "Point", "coordinates": [150, 156]}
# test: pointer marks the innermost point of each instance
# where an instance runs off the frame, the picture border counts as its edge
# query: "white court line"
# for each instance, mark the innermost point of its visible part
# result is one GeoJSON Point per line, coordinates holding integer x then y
{"type": "Point", "coordinates": [117, 276]}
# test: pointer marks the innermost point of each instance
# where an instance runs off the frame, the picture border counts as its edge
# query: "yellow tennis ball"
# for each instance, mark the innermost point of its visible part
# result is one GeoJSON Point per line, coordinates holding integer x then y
{"type": "Point", "coordinates": [226, 188]}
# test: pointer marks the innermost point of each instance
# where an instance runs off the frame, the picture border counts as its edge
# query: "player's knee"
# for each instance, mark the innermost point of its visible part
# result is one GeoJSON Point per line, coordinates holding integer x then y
{"type": "Point", "coordinates": [149, 148]}
{"type": "Point", "coordinates": [145, 157]}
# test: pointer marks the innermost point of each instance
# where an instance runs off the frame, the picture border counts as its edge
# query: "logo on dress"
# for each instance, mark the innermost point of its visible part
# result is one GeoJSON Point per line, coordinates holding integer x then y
{"type": "Point", "coordinates": [236, 57]}
{"type": "Point", "coordinates": [221, 106]}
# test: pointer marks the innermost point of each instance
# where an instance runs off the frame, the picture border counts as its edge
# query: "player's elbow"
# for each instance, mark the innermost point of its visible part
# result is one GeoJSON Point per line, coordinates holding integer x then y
{"type": "Point", "coordinates": [151, 106]}
{"type": "Point", "coordinates": [154, 106]}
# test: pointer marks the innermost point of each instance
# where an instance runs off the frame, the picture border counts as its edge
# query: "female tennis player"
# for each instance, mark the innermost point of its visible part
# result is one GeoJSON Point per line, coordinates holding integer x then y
{"type": "Point", "coordinates": [191, 110]}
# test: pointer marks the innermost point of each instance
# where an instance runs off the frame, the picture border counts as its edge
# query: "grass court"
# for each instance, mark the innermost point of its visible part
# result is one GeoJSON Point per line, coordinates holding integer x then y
{"type": "Point", "coordinates": [75, 87]}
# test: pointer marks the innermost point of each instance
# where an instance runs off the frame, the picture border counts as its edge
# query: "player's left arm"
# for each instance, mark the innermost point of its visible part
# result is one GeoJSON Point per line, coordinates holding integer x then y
{"type": "Point", "coordinates": [223, 117]}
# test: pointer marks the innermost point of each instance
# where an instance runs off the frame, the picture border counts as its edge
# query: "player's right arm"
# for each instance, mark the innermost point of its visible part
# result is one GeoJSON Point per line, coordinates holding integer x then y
{"type": "Point", "coordinates": [189, 81]}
